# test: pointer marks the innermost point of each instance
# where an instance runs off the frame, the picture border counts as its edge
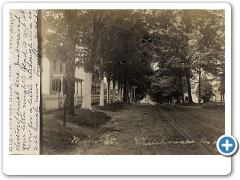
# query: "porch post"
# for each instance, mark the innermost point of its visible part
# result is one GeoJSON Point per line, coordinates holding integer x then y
{"type": "Point", "coordinates": [77, 89]}
{"type": "Point", "coordinates": [75, 92]}
{"type": "Point", "coordinates": [81, 88]}
{"type": "Point", "coordinates": [61, 93]}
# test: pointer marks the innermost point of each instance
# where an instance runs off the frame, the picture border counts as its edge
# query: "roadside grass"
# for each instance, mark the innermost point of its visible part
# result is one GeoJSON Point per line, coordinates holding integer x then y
{"type": "Point", "coordinates": [209, 106]}
{"type": "Point", "coordinates": [190, 104]}
{"type": "Point", "coordinates": [57, 140]}
{"type": "Point", "coordinates": [213, 106]}
{"type": "Point", "coordinates": [113, 107]}
{"type": "Point", "coordinates": [86, 118]}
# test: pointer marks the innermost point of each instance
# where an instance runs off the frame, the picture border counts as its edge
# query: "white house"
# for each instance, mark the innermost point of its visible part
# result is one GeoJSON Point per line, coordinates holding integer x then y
{"type": "Point", "coordinates": [54, 83]}
{"type": "Point", "coordinates": [53, 78]}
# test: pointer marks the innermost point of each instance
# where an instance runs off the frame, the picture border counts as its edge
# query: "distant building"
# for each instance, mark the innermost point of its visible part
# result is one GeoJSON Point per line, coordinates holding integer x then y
{"type": "Point", "coordinates": [215, 98]}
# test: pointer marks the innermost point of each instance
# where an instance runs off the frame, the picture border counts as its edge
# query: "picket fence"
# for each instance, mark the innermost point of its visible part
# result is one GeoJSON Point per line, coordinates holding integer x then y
{"type": "Point", "coordinates": [51, 102]}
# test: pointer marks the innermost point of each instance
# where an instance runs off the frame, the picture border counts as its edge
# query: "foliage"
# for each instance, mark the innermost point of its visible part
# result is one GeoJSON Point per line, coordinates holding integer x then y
{"type": "Point", "coordinates": [206, 89]}
{"type": "Point", "coordinates": [186, 42]}
{"type": "Point", "coordinates": [159, 51]}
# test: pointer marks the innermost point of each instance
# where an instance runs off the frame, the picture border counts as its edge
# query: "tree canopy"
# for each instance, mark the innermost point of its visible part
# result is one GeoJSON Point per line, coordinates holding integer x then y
{"type": "Point", "coordinates": [159, 51]}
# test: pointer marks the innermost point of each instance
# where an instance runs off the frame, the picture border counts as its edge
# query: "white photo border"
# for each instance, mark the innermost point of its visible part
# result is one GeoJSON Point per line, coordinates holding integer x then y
{"type": "Point", "coordinates": [115, 164]}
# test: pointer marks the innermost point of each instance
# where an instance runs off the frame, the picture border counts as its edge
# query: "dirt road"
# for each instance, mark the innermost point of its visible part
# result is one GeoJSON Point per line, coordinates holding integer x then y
{"type": "Point", "coordinates": [165, 129]}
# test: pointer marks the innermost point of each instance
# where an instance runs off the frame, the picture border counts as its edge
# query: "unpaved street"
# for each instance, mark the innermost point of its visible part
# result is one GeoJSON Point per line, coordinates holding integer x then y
{"type": "Point", "coordinates": [151, 130]}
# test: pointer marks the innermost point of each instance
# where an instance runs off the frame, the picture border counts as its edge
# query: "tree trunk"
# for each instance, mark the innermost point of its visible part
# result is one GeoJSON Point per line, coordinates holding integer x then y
{"type": "Point", "coordinates": [131, 95]}
{"type": "Point", "coordinates": [70, 56]}
{"type": "Point", "coordinates": [108, 91]}
{"type": "Point", "coordinates": [120, 91]}
{"type": "Point", "coordinates": [95, 45]}
{"type": "Point", "coordinates": [41, 78]}
{"type": "Point", "coordinates": [101, 102]}
{"type": "Point", "coordinates": [187, 71]}
{"type": "Point", "coordinates": [134, 95]}
{"type": "Point", "coordinates": [199, 87]}
{"type": "Point", "coordinates": [128, 99]}
{"type": "Point", "coordinates": [64, 114]}
{"type": "Point", "coordinates": [221, 98]}
{"type": "Point", "coordinates": [89, 66]}
{"type": "Point", "coordinates": [70, 86]}
{"type": "Point", "coordinates": [181, 87]}
{"type": "Point", "coordinates": [87, 94]}
{"type": "Point", "coordinates": [114, 91]}
{"type": "Point", "coordinates": [107, 94]}
{"type": "Point", "coordinates": [125, 90]}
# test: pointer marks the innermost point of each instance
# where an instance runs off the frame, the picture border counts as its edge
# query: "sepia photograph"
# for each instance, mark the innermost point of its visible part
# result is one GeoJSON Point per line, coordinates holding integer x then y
{"type": "Point", "coordinates": [132, 82]}
{"type": "Point", "coordinates": [93, 82]}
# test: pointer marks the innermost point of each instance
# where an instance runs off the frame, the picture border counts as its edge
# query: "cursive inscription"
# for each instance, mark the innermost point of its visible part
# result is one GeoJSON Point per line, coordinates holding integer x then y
{"type": "Point", "coordinates": [76, 140]}
{"type": "Point", "coordinates": [142, 141]}
{"type": "Point", "coordinates": [24, 77]}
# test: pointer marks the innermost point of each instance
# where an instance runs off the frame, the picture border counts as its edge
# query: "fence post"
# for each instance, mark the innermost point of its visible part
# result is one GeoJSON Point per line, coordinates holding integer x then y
{"type": "Point", "coordinates": [64, 114]}
{"type": "Point", "coordinates": [58, 101]}
{"type": "Point", "coordinates": [63, 100]}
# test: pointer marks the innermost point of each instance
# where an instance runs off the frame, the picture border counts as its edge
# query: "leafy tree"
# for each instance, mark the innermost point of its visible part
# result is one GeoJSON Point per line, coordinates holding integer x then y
{"type": "Point", "coordinates": [121, 56]}
{"type": "Point", "coordinates": [221, 87]}
{"type": "Point", "coordinates": [60, 38]}
{"type": "Point", "coordinates": [124, 45]}
{"type": "Point", "coordinates": [206, 89]}
{"type": "Point", "coordinates": [208, 44]}
{"type": "Point", "coordinates": [192, 40]}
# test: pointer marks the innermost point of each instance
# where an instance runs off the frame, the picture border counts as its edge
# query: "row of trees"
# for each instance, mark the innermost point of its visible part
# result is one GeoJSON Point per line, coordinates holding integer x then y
{"type": "Point", "coordinates": [104, 42]}
{"type": "Point", "coordinates": [190, 42]}
{"type": "Point", "coordinates": [158, 51]}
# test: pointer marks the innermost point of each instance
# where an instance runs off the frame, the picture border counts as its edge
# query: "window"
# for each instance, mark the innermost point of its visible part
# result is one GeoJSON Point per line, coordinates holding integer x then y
{"type": "Point", "coordinates": [54, 64]}
{"type": "Point", "coordinates": [56, 85]}
{"type": "Point", "coordinates": [61, 67]}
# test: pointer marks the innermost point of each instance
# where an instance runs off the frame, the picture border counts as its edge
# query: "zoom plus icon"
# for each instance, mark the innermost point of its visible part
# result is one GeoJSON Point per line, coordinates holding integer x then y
{"type": "Point", "coordinates": [227, 145]}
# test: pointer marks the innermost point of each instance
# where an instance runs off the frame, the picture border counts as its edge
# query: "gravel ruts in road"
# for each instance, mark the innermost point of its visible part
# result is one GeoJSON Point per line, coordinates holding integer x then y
{"type": "Point", "coordinates": [151, 130]}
